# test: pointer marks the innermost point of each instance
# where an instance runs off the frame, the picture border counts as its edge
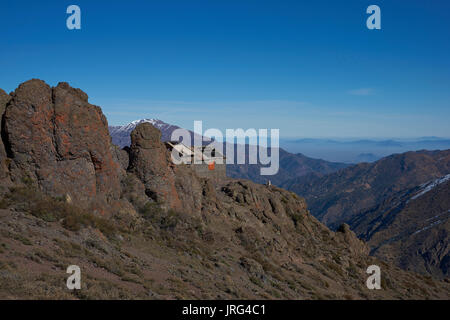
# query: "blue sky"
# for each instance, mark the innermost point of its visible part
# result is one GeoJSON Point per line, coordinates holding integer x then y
{"type": "Point", "coordinates": [309, 68]}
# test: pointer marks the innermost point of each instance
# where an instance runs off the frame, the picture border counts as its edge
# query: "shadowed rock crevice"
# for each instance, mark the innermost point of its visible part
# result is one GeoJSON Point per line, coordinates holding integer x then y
{"type": "Point", "coordinates": [5, 148]}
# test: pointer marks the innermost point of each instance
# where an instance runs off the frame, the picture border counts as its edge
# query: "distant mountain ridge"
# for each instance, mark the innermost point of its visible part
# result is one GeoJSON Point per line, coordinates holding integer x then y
{"type": "Point", "coordinates": [291, 166]}
{"type": "Point", "coordinates": [350, 150]}
{"type": "Point", "coordinates": [379, 142]}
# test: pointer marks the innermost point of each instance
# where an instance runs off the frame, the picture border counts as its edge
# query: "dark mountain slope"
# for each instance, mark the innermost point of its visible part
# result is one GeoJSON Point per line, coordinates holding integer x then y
{"type": "Point", "coordinates": [411, 229]}
{"type": "Point", "coordinates": [291, 165]}
{"type": "Point", "coordinates": [340, 196]}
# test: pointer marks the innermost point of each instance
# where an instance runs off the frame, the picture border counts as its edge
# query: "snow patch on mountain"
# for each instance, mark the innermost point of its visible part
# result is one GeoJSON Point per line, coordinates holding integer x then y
{"type": "Point", "coordinates": [426, 187]}
{"type": "Point", "coordinates": [121, 134]}
{"type": "Point", "coordinates": [428, 227]}
{"type": "Point", "coordinates": [130, 127]}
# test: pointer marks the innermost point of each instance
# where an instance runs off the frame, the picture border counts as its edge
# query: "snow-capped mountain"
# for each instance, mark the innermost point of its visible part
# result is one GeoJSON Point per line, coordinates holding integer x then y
{"type": "Point", "coordinates": [121, 134]}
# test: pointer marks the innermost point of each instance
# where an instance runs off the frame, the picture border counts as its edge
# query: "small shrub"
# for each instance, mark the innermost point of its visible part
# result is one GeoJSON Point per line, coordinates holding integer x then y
{"type": "Point", "coordinates": [297, 218]}
{"type": "Point", "coordinates": [27, 181]}
{"type": "Point", "coordinates": [257, 282]}
{"type": "Point", "coordinates": [16, 236]}
{"type": "Point", "coordinates": [4, 204]}
{"type": "Point", "coordinates": [151, 211]}
{"type": "Point", "coordinates": [75, 219]}
{"type": "Point", "coordinates": [166, 220]}
{"type": "Point", "coordinates": [335, 268]}
{"type": "Point", "coordinates": [19, 195]}
{"type": "Point", "coordinates": [23, 239]}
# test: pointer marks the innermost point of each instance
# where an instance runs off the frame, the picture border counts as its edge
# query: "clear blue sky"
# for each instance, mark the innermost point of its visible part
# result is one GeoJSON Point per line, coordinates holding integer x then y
{"type": "Point", "coordinates": [310, 68]}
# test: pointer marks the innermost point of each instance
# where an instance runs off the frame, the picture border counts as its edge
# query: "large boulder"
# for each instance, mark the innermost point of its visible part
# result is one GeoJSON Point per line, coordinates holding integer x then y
{"type": "Point", "coordinates": [149, 161]}
{"type": "Point", "coordinates": [60, 142]}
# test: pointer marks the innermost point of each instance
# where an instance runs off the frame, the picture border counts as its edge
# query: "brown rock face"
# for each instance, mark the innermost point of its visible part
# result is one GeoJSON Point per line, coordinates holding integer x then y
{"type": "Point", "coordinates": [149, 161]}
{"type": "Point", "coordinates": [61, 142]}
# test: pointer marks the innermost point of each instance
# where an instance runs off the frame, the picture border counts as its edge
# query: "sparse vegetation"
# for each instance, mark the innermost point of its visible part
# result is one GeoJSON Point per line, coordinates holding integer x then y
{"type": "Point", "coordinates": [297, 218]}
{"type": "Point", "coordinates": [53, 209]}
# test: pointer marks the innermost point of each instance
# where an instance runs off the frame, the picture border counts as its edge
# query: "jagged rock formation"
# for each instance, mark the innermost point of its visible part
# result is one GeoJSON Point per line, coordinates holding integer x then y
{"type": "Point", "coordinates": [59, 141]}
{"type": "Point", "coordinates": [149, 161]}
{"type": "Point", "coordinates": [165, 232]}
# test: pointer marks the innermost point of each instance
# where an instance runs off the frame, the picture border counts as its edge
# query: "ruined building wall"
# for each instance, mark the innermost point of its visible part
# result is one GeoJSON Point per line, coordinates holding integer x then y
{"type": "Point", "coordinates": [203, 170]}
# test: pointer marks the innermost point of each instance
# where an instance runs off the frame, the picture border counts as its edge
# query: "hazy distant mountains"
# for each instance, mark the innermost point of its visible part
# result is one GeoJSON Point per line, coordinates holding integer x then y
{"type": "Point", "coordinates": [361, 150]}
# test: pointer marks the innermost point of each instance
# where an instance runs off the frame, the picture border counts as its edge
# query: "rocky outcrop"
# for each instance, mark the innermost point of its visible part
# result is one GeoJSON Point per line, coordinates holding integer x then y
{"type": "Point", "coordinates": [172, 186]}
{"type": "Point", "coordinates": [56, 140]}
{"type": "Point", "coordinates": [149, 161]}
{"type": "Point", "coordinates": [60, 142]}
